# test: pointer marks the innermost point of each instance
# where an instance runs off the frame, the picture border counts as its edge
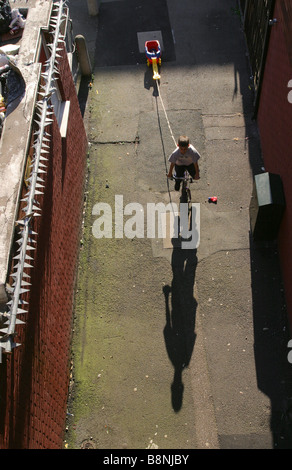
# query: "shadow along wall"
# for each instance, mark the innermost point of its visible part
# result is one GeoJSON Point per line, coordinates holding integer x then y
{"type": "Point", "coordinates": [274, 121]}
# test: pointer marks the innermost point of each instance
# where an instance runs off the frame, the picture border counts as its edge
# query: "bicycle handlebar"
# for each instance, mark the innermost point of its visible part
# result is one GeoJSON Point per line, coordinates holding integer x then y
{"type": "Point", "coordinates": [183, 178]}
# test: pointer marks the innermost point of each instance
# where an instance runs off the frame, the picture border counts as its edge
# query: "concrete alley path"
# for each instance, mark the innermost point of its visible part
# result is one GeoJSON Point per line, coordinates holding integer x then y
{"type": "Point", "coordinates": [173, 348]}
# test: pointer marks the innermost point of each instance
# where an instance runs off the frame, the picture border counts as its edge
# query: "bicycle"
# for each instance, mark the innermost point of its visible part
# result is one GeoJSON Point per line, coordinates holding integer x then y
{"type": "Point", "coordinates": [186, 196]}
{"type": "Point", "coordinates": [185, 200]}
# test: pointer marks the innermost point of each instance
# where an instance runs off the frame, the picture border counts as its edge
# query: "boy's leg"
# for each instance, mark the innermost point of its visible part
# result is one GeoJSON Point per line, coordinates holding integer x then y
{"type": "Point", "coordinates": [192, 170]}
{"type": "Point", "coordinates": [179, 172]}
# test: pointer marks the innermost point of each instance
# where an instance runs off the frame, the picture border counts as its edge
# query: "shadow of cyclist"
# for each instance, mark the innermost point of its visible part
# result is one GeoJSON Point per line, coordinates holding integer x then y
{"type": "Point", "coordinates": [179, 334]}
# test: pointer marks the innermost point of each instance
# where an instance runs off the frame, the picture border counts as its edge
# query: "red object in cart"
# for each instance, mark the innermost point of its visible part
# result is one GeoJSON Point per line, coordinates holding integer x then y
{"type": "Point", "coordinates": [153, 51]}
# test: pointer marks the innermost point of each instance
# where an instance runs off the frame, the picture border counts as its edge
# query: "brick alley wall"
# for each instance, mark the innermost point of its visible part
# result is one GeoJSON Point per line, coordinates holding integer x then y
{"type": "Point", "coordinates": [34, 379]}
{"type": "Point", "coordinates": [274, 120]}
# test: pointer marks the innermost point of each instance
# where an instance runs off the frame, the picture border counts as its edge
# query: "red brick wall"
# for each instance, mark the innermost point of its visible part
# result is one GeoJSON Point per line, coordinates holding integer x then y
{"type": "Point", "coordinates": [34, 379]}
{"type": "Point", "coordinates": [274, 120]}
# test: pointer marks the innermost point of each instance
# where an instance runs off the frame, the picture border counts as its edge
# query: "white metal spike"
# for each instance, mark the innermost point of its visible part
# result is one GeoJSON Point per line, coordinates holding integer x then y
{"type": "Point", "coordinates": [31, 240]}
{"type": "Point", "coordinates": [22, 291]}
{"type": "Point", "coordinates": [9, 345]}
{"type": "Point", "coordinates": [28, 247]}
{"type": "Point", "coordinates": [24, 274]}
{"type": "Point", "coordinates": [23, 284]}
{"type": "Point", "coordinates": [20, 302]}
{"type": "Point", "coordinates": [20, 311]}
{"type": "Point", "coordinates": [27, 257]}
{"type": "Point", "coordinates": [43, 118]}
{"type": "Point", "coordinates": [25, 265]}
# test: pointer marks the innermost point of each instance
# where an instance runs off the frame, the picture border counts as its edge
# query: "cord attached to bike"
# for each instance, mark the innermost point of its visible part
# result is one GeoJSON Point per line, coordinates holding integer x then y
{"type": "Point", "coordinates": [166, 117]}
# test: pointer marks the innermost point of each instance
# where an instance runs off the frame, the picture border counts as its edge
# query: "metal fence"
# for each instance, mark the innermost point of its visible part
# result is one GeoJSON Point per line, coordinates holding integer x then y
{"type": "Point", "coordinates": [286, 10]}
{"type": "Point", "coordinates": [258, 19]}
{"type": "Point", "coordinates": [38, 167]}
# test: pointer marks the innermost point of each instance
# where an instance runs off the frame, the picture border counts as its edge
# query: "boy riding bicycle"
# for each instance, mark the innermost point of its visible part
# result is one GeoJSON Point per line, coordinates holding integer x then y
{"type": "Point", "coordinates": [185, 157]}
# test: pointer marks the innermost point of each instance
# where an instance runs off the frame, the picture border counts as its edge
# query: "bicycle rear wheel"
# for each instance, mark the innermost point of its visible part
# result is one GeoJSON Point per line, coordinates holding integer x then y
{"type": "Point", "coordinates": [189, 196]}
{"type": "Point", "coordinates": [184, 194]}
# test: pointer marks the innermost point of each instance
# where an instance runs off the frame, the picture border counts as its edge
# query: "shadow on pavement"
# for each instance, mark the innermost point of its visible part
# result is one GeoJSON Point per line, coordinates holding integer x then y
{"type": "Point", "coordinates": [179, 331]}
{"type": "Point", "coordinates": [117, 42]}
{"type": "Point", "coordinates": [270, 320]}
{"type": "Point", "coordinates": [271, 339]}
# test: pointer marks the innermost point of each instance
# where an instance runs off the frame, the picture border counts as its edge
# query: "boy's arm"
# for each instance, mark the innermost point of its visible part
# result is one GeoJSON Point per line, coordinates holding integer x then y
{"type": "Point", "coordinates": [197, 177]}
{"type": "Point", "coordinates": [170, 170]}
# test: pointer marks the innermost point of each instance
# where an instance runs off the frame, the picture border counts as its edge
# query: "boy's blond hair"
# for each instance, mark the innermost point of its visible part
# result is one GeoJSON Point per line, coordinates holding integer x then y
{"type": "Point", "coordinates": [183, 141]}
